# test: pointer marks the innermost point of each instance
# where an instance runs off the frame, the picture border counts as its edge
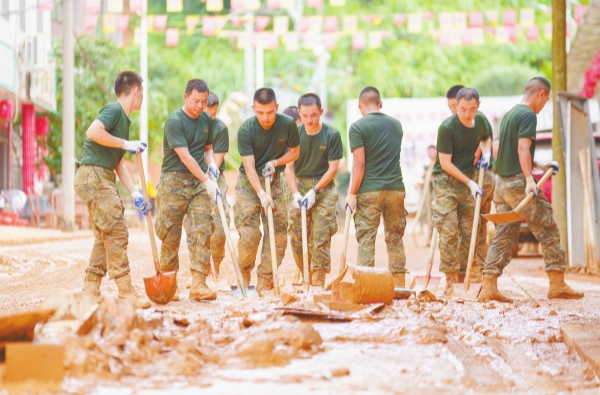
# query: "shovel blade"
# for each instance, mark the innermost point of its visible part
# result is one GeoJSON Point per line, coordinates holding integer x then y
{"type": "Point", "coordinates": [503, 218]}
{"type": "Point", "coordinates": [239, 294]}
{"type": "Point", "coordinates": [420, 282]}
{"type": "Point", "coordinates": [161, 287]}
{"type": "Point", "coordinates": [459, 291]}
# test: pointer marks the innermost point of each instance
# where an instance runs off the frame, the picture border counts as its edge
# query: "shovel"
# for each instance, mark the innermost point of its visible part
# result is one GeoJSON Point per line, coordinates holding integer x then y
{"type": "Point", "coordinates": [426, 279]}
{"type": "Point", "coordinates": [161, 287]}
{"type": "Point", "coordinates": [514, 216]}
{"type": "Point", "coordinates": [305, 247]}
{"type": "Point", "coordinates": [272, 239]}
{"type": "Point", "coordinates": [240, 291]}
{"type": "Point", "coordinates": [345, 243]}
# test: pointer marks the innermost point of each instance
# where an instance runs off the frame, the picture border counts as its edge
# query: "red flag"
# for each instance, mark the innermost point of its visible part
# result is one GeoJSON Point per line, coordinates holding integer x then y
{"type": "Point", "coordinates": [533, 33]}
{"type": "Point", "coordinates": [136, 5]}
{"type": "Point", "coordinates": [314, 3]}
{"type": "Point", "coordinates": [579, 12]}
{"type": "Point", "coordinates": [513, 32]}
{"type": "Point", "coordinates": [93, 6]}
{"type": "Point", "coordinates": [475, 19]}
{"type": "Point", "coordinates": [122, 22]}
{"type": "Point", "coordinates": [172, 37]}
{"type": "Point", "coordinates": [399, 19]}
{"type": "Point", "coordinates": [331, 24]}
{"type": "Point", "coordinates": [160, 22]}
{"type": "Point", "coordinates": [91, 22]}
{"type": "Point", "coordinates": [46, 5]}
{"type": "Point", "coordinates": [359, 40]}
{"type": "Point", "coordinates": [237, 5]}
{"type": "Point", "coordinates": [509, 17]}
{"type": "Point", "coordinates": [261, 22]}
{"type": "Point", "coordinates": [209, 25]}
{"type": "Point", "coordinates": [330, 40]}
{"type": "Point", "coordinates": [274, 4]}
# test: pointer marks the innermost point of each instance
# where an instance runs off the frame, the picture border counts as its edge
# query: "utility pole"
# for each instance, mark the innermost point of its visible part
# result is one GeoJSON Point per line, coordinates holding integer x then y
{"type": "Point", "coordinates": [559, 83]}
{"type": "Point", "coordinates": [68, 120]}
{"type": "Point", "coordinates": [146, 83]}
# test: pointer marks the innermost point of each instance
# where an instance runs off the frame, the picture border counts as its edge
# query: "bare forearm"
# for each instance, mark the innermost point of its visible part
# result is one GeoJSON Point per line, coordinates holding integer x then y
{"type": "Point", "coordinates": [451, 169]}
{"type": "Point", "coordinates": [208, 156]}
{"type": "Point", "coordinates": [525, 162]}
{"type": "Point", "coordinates": [327, 178]}
{"type": "Point", "coordinates": [194, 168]}
{"type": "Point", "coordinates": [253, 178]}
{"type": "Point", "coordinates": [486, 146]}
{"type": "Point", "coordinates": [98, 134]}
{"type": "Point", "coordinates": [125, 177]}
{"type": "Point", "coordinates": [219, 158]}
{"type": "Point", "coordinates": [358, 173]}
{"type": "Point", "coordinates": [290, 177]}
{"type": "Point", "coordinates": [291, 155]}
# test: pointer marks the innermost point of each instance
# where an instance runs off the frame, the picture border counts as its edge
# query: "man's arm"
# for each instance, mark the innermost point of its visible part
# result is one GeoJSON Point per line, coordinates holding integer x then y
{"type": "Point", "coordinates": [190, 163]}
{"type": "Point", "coordinates": [209, 155]}
{"type": "Point", "coordinates": [97, 133]}
{"type": "Point", "coordinates": [358, 170]}
{"type": "Point", "coordinates": [525, 156]}
{"type": "Point", "coordinates": [219, 158]}
{"type": "Point", "coordinates": [290, 156]}
{"type": "Point", "coordinates": [450, 168]}
{"type": "Point", "coordinates": [329, 174]}
{"type": "Point", "coordinates": [290, 177]}
{"type": "Point", "coordinates": [125, 177]}
{"type": "Point", "coordinates": [249, 163]}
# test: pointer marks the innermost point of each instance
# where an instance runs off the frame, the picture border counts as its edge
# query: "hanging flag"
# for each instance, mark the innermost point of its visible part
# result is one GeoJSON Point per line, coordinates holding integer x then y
{"type": "Point", "coordinates": [527, 17]}
{"type": "Point", "coordinates": [314, 3]}
{"type": "Point", "coordinates": [136, 36]}
{"type": "Point", "coordinates": [221, 22]}
{"type": "Point", "coordinates": [548, 31]}
{"type": "Point", "coordinates": [115, 7]}
{"type": "Point", "coordinates": [374, 19]}
{"type": "Point", "coordinates": [475, 19]}
{"type": "Point", "coordinates": [350, 24]}
{"type": "Point", "coordinates": [459, 21]}
{"type": "Point", "coordinates": [446, 21]}
{"type": "Point", "coordinates": [415, 23]}
{"type": "Point", "coordinates": [492, 17]}
{"type": "Point", "coordinates": [214, 5]}
{"type": "Point", "coordinates": [160, 22]}
{"type": "Point", "coordinates": [311, 24]}
{"type": "Point", "coordinates": [261, 22]}
{"type": "Point", "coordinates": [330, 24]}
{"type": "Point", "coordinates": [91, 22]}
{"type": "Point", "coordinates": [244, 40]}
{"type": "Point", "coordinates": [191, 21]}
{"type": "Point", "coordinates": [513, 32]}
{"type": "Point", "coordinates": [399, 19]}
{"type": "Point", "coordinates": [330, 41]}
{"type": "Point", "coordinates": [93, 6]}
{"type": "Point", "coordinates": [251, 5]}
{"type": "Point", "coordinates": [136, 6]}
{"type": "Point", "coordinates": [509, 17]}
{"type": "Point", "coordinates": [237, 5]}
{"type": "Point", "coordinates": [150, 23]}
{"type": "Point", "coordinates": [236, 20]}
{"type": "Point", "coordinates": [473, 36]}
{"type": "Point", "coordinates": [579, 12]}
{"type": "Point", "coordinates": [109, 23]}
{"type": "Point", "coordinates": [209, 25]}
{"type": "Point", "coordinates": [46, 5]}
{"type": "Point", "coordinates": [533, 33]}
{"type": "Point", "coordinates": [122, 22]}
{"type": "Point", "coordinates": [502, 35]}
{"type": "Point", "coordinates": [175, 6]}
{"type": "Point", "coordinates": [291, 41]}
{"type": "Point", "coordinates": [172, 37]}
{"type": "Point", "coordinates": [337, 3]}
{"type": "Point", "coordinates": [359, 40]}
{"type": "Point", "coordinates": [281, 24]}
{"type": "Point", "coordinates": [280, 4]}
{"type": "Point", "coordinates": [375, 39]}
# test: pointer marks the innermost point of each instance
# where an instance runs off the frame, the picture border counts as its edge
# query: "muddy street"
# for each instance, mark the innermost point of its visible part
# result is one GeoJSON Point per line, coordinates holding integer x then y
{"type": "Point", "coordinates": [448, 346]}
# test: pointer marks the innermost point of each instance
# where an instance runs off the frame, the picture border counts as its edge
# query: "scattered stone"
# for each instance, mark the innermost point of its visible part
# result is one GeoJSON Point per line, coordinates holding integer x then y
{"type": "Point", "coordinates": [288, 298]}
{"type": "Point", "coordinates": [340, 372]}
{"type": "Point", "coordinates": [552, 313]}
{"type": "Point", "coordinates": [427, 296]}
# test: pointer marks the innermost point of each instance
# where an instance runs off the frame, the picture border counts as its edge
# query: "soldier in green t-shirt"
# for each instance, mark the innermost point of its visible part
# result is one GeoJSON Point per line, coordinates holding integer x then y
{"type": "Point", "coordinates": [267, 142]}
{"type": "Point", "coordinates": [454, 185]}
{"type": "Point", "coordinates": [376, 187]}
{"type": "Point", "coordinates": [105, 144]}
{"type": "Point", "coordinates": [220, 148]}
{"type": "Point", "coordinates": [514, 181]}
{"type": "Point", "coordinates": [310, 179]}
{"type": "Point", "coordinates": [185, 190]}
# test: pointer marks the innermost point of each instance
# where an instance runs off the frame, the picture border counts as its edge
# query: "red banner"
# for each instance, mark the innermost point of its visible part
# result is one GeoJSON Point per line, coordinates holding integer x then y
{"type": "Point", "coordinates": [172, 37]}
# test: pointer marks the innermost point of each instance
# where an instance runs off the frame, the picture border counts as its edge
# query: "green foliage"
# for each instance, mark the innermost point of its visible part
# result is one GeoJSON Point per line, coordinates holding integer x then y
{"type": "Point", "coordinates": [503, 80]}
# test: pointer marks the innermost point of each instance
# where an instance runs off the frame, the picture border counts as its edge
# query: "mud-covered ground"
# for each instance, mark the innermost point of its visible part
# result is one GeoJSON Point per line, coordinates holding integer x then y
{"type": "Point", "coordinates": [446, 347]}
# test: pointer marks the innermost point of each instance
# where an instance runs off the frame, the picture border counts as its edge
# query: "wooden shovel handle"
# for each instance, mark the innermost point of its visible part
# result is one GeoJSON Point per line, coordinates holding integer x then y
{"type": "Point", "coordinates": [305, 246]}
{"type": "Point", "coordinates": [474, 232]}
{"type": "Point", "coordinates": [272, 239]}
{"type": "Point", "coordinates": [150, 227]}
{"type": "Point", "coordinates": [529, 196]}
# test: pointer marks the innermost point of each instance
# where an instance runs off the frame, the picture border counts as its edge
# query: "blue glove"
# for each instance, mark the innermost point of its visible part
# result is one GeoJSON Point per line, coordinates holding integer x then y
{"type": "Point", "coordinates": [140, 203]}
{"type": "Point", "coordinates": [484, 161]}
{"type": "Point", "coordinates": [269, 168]}
{"type": "Point", "coordinates": [134, 146]}
{"type": "Point", "coordinates": [554, 165]}
{"type": "Point", "coordinates": [297, 200]}
{"type": "Point", "coordinates": [309, 199]}
{"type": "Point", "coordinates": [212, 168]}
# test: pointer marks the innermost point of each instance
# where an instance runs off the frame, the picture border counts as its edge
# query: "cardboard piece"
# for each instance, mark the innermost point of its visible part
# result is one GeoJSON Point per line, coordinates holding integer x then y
{"type": "Point", "coordinates": [371, 285]}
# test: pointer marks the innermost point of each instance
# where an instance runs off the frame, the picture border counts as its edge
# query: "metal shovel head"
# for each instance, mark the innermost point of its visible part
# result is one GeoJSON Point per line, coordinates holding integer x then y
{"type": "Point", "coordinates": [239, 294]}
{"type": "Point", "coordinates": [503, 218]}
{"type": "Point", "coordinates": [419, 282]}
{"type": "Point", "coordinates": [161, 287]}
{"type": "Point", "coordinates": [459, 291]}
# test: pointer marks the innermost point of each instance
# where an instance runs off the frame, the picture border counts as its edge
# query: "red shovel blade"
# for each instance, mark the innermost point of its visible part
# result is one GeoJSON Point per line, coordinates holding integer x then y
{"type": "Point", "coordinates": [162, 287]}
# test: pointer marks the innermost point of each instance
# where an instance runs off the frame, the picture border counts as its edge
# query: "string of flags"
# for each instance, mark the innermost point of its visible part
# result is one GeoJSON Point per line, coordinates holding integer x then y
{"type": "Point", "coordinates": [447, 28]}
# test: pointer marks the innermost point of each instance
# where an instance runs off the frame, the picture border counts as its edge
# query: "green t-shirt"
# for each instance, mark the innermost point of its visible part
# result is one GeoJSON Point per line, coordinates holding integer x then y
{"type": "Point", "coordinates": [117, 124]}
{"type": "Point", "coordinates": [266, 145]}
{"type": "Point", "coordinates": [520, 122]}
{"type": "Point", "coordinates": [460, 141]}
{"type": "Point", "coordinates": [317, 150]}
{"type": "Point", "coordinates": [183, 131]}
{"type": "Point", "coordinates": [381, 137]}
{"type": "Point", "coordinates": [220, 139]}
{"type": "Point", "coordinates": [490, 134]}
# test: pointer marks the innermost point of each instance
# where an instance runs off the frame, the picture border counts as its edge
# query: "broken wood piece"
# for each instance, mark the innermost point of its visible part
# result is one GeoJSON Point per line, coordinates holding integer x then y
{"type": "Point", "coordinates": [403, 293]}
{"type": "Point", "coordinates": [40, 362]}
{"type": "Point", "coordinates": [20, 326]}
{"type": "Point", "coordinates": [288, 298]}
{"type": "Point", "coordinates": [318, 314]}
{"type": "Point", "coordinates": [371, 285]}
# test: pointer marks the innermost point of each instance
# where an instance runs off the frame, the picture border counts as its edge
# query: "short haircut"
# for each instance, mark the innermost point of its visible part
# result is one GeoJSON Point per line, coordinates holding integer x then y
{"type": "Point", "coordinates": [308, 99]}
{"type": "Point", "coordinates": [126, 80]}
{"type": "Point", "coordinates": [452, 92]}
{"type": "Point", "coordinates": [265, 96]}
{"type": "Point", "coordinates": [467, 94]}
{"type": "Point", "coordinates": [196, 85]}
{"type": "Point", "coordinates": [292, 111]}
{"type": "Point", "coordinates": [537, 84]}
{"type": "Point", "coordinates": [213, 100]}
{"type": "Point", "coordinates": [370, 95]}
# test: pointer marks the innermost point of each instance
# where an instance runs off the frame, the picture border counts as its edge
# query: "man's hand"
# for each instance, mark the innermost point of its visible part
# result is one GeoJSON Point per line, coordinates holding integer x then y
{"type": "Point", "coordinates": [484, 161]}
{"type": "Point", "coordinates": [134, 146]}
{"type": "Point", "coordinates": [475, 190]}
{"type": "Point", "coordinates": [351, 202]}
{"type": "Point", "coordinates": [309, 199]}
{"type": "Point", "coordinates": [212, 168]}
{"type": "Point", "coordinates": [212, 189]}
{"type": "Point", "coordinates": [269, 168]}
{"type": "Point", "coordinates": [265, 200]}
{"type": "Point", "coordinates": [547, 165]}
{"type": "Point", "coordinates": [531, 186]}
{"type": "Point", "coordinates": [297, 200]}
{"type": "Point", "coordinates": [140, 203]}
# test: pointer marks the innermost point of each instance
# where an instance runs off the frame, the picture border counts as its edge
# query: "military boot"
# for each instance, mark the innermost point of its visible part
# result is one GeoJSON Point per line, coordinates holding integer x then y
{"type": "Point", "coordinates": [263, 284]}
{"type": "Point", "coordinates": [559, 289]}
{"type": "Point", "coordinates": [461, 277]}
{"type": "Point", "coordinates": [246, 276]}
{"type": "Point", "coordinates": [217, 265]}
{"type": "Point", "coordinates": [199, 289]}
{"type": "Point", "coordinates": [126, 291]}
{"type": "Point", "coordinates": [91, 285]}
{"type": "Point", "coordinates": [399, 280]}
{"type": "Point", "coordinates": [476, 274]}
{"type": "Point", "coordinates": [489, 291]}
{"type": "Point", "coordinates": [451, 279]}
{"type": "Point", "coordinates": [318, 278]}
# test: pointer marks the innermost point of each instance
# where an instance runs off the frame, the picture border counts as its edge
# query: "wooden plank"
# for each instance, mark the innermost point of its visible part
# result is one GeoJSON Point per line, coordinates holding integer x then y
{"type": "Point", "coordinates": [18, 327]}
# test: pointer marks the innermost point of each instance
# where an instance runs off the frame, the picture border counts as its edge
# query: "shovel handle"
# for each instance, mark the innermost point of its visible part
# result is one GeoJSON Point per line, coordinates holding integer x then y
{"type": "Point", "coordinates": [272, 239]}
{"type": "Point", "coordinates": [140, 165]}
{"type": "Point", "coordinates": [530, 196]}
{"type": "Point", "coordinates": [304, 246]}
{"type": "Point", "coordinates": [474, 233]}
{"type": "Point", "coordinates": [345, 241]}
{"type": "Point", "coordinates": [433, 245]}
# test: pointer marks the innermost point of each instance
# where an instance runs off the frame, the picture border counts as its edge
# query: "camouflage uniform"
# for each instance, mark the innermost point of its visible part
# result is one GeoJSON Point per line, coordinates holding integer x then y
{"type": "Point", "coordinates": [218, 238]}
{"type": "Point", "coordinates": [96, 187]}
{"type": "Point", "coordinates": [538, 215]}
{"type": "Point", "coordinates": [321, 224]}
{"type": "Point", "coordinates": [181, 194]}
{"type": "Point", "coordinates": [489, 185]}
{"type": "Point", "coordinates": [370, 206]}
{"type": "Point", "coordinates": [453, 212]}
{"type": "Point", "coordinates": [248, 213]}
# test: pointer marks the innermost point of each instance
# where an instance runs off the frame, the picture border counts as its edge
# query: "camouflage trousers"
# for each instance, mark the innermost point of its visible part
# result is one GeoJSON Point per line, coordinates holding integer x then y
{"type": "Point", "coordinates": [182, 200]}
{"type": "Point", "coordinates": [218, 238]}
{"type": "Point", "coordinates": [321, 224]}
{"type": "Point", "coordinates": [96, 187]}
{"type": "Point", "coordinates": [489, 185]}
{"type": "Point", "coordinates": [538, 215]}
{"type": "Point", "coordinates": [248, 214]}
{"type": "Point", "coordinates": [369, 209]}
{"type": "Point", "coordinates": [453, 213]}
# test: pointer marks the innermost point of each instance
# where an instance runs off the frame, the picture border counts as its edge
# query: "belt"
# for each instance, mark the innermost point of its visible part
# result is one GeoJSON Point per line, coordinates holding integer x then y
{"type": "Point", "coordinates": [181, 175]}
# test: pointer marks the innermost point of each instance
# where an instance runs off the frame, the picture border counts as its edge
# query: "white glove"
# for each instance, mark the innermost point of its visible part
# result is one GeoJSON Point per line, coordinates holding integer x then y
{"type": "Point", "coordinates": [269, 168]}
{"type": "Point", "coordinates": [212, 189]}
{"type": "Point", "coordinates": [309, 199]}
{"type": "Point", "coordinates": [484, 161]}
{"type": "Point", "coordinates": [265, 200]}
{"type": "Point", "coordinates": [212, 168]}
{"type": "Point", "coordinates": [545, 166]}
{"type": "Point", "coordinates": [531, 186]}
{"type": "Point", "coordinates": [475, 190]}
{"type": "Point", "coordinates": [134, 146]}
{"type": "Point", "coordinates": [296, 200]}
{"type": "Point", "coordinates": [351, 202]}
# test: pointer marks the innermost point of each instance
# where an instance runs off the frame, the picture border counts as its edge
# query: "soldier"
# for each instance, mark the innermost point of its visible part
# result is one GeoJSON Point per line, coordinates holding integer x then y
{"type": "Point", "coordinates": [459, 137]}
{"type": "Point", "coordinates": [377, 188]}
{"type": "Point", "coordinates": [220, 148]}
{"type": "Point", "coordinates": [486, 200]}
{"type": "Point", "coordinates": [310, 179]}
{"type": "Point", "coordinates": [292, 111]}
{"type": "Point", "coordinates": [105, 144]}
{"type": "Point", "coordinates": [514, 180]}
{"type": "Point", "coordinates": [185, 190]}
{"type": "Point", "coordinates": [267, 142]}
